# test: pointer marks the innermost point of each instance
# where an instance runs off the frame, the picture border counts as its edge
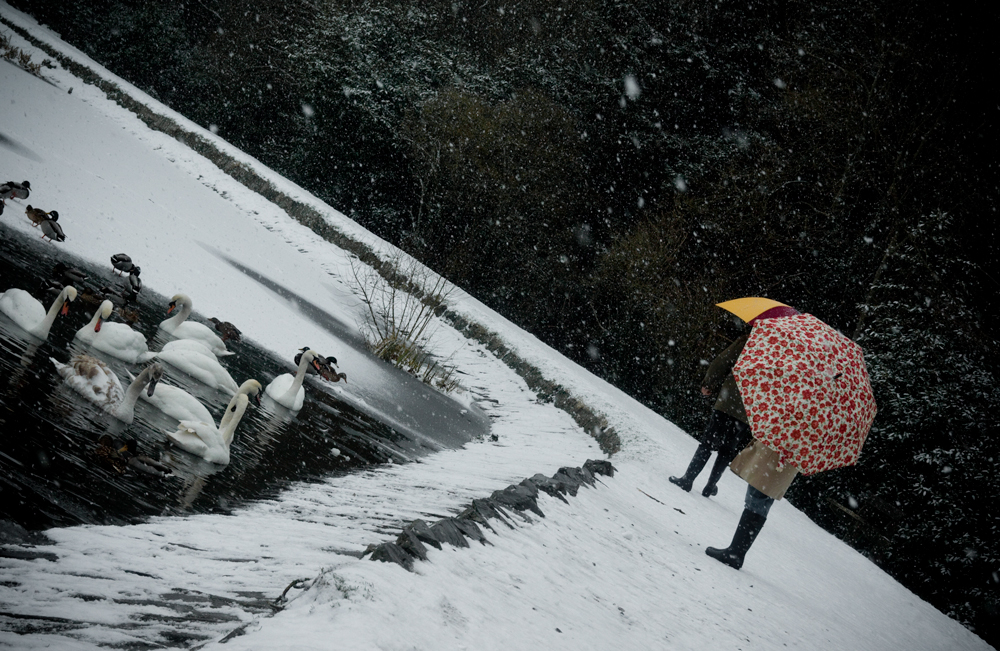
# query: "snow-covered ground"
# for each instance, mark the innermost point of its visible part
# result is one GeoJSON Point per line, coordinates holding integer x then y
{"type": "Point", "coordinates": [621, 565]}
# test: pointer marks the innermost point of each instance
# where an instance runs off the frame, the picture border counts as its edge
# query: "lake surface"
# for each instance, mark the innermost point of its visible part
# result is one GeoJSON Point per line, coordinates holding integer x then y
{"type": "Point", "coordinates": [51, 476]}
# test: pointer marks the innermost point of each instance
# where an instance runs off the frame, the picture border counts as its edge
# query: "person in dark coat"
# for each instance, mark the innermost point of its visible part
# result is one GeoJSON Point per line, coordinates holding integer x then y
{"type": "Point", "coordinates": [767, 479]}
{"type": "Point", "coordinates": [727, 431]}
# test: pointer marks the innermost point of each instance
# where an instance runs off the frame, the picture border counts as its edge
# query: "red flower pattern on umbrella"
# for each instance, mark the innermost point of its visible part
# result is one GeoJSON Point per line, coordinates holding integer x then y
{"type": "Point", "coordinates": [806, 391]}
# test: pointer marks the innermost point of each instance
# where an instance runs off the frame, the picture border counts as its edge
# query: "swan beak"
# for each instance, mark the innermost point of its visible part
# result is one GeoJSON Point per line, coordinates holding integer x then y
{"type": "Point", "coordinates": [256, 399]}
{"type": "Point", "coordinates": [150, 387]}
{"type": "Point", "coordinates": [97, 328]}
{"type": "Point", "coordinates": [315, 364]}
{"type": "Point", "coordinates": [65, 308]}
{"type": "Point", "coordinates": [171, 307]}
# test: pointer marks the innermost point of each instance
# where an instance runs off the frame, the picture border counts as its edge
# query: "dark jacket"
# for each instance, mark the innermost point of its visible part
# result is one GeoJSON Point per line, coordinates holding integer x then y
{"type": "Point", "coordinates": [720, 378]}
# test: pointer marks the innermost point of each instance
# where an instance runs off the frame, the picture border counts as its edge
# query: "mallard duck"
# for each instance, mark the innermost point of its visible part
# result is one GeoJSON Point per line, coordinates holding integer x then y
{"type": "Point", "coordinates": [326, 367]}
{"type": "Point", "coordinates": [50, 288]}
{"type": "Point", "coordinates": [107, 294]}
{"type": "Point", "coordinates": [35, 215]}
{"type": "Point", "coordinates": [98, 296]}
{"type": "Point", "coordinates": [121, 262]}
{"type": "Point", "coordinates": [142, 462]}
{"type": "Point", "coordinates": [228, 331]}
{"type": "Point", "coordinates": [179, 327]}
{"type": "Point", "coordinates": [108, 455]}
{"type": "Point", "coordinates": [119, 458]}
{"type": "Point", "coordinates": [15, 190]}
{"type": "Point", "coordinates": [128, 314]}
{"type": "Point", "coordinates": [51, 228]}
{"type": "Point", "coordinates": [93, 297]}
{"type": "Point", "coordinates": [68, 275]}
{"type": "Point", "coordinates": [134, 286]}
{"type": "Point", "coordinates": [134, 282]}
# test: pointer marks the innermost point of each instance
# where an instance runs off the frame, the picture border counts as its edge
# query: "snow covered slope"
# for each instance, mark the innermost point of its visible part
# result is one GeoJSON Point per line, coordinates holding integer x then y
{"type": "Point", "coordinates": [612, 568]}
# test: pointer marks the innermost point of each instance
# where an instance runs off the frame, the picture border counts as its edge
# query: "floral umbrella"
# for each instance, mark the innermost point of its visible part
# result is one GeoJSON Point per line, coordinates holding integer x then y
{"type": "Point", "coordinates": [806, 391]}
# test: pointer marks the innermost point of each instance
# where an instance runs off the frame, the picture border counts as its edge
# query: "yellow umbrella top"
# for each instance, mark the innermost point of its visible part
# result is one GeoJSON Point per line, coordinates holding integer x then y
{"type": "Point", "coordinates": [750, 307]}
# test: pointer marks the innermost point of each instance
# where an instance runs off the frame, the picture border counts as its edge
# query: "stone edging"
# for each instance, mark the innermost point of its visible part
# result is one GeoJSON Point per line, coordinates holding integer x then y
{"type": "Point", "coordinates": [590, 420]}
{"type": "Point", "coordinates": [410, 545]}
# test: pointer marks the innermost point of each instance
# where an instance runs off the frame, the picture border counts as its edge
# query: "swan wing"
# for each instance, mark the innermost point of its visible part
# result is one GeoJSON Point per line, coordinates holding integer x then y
{"type": "Point", "coordinates": [93, 379]}
{"type": "Point", "coordinates": [202, 333]}
{"type": "Point", "coordinates": [22, 308]}
{"type": "Point", "coordinates": [201, 439]}
{"type": "Point", "coordinates": [203, 368]}
{"type": "Point", "coordinates": [121, 341]}
{"type": "Point", "coordinates": [177, 403]}
{"type": "Point", "coordinates": [188, 344]}
{"type": "Point", "coordinates": [193, 436]}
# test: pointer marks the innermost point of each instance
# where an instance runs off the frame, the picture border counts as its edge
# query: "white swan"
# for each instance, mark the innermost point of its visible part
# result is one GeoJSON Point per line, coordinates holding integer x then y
{"type": "Point", "coordinates": [207, 441]}
{"type": "Point", "coordinates": [115, 339]}
{"type": "Point", "coordinates": [286, 389]}
{"type": "Point", "coordinates": [204, 368]}
{"type": "Point", "coordinates": [177, 403]}
{"type": "Point", "coordinates": [29, 313]}
{"type": "Point", "coordinates": [95, 381]}
{"type": "Point", "coordinates": [178, 326]}
{"type": "Point", "coordinates": [252, 390]}
{"type": "Point", "coordinates": [188, 344]}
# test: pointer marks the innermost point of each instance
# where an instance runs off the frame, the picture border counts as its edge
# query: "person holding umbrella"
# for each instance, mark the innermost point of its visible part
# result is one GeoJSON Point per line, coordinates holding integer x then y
{"type": "Point", "coordinates": [727, 431]}
{"type": "Point", "coordinates": [809, 405]}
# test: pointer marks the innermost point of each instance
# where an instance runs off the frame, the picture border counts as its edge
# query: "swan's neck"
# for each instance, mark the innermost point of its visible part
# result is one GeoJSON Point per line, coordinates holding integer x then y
{"type": "Point", "coordinates": [42, 329]}
{"type": "Point", "coordinates": [138, 384]}
{"type": "Point", "coordinates": [300, 376]}
{"type": "Point", "coordinates": [184, 311]}
{"type": "Point", "coordinates": [232, 418]}
{"type": "Point", "coordinates": [133, 391]}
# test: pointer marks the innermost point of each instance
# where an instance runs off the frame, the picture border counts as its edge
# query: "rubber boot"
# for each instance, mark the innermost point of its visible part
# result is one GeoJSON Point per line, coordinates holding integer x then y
{"type": "Point", "coordinates": [746, 532]}
{"type": "Point", "coordinates": [721, 463]}
{"type": "Point", "coordinates": [698, 462]}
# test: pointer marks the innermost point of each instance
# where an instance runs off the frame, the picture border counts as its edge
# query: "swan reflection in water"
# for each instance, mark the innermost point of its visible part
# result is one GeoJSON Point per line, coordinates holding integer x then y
{"type": "Point", "coordinates": [253, 444]}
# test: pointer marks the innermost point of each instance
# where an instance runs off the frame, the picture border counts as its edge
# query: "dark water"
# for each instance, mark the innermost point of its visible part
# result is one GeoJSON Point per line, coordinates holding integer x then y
{"type": "Point", "coordinates": [49, 474]}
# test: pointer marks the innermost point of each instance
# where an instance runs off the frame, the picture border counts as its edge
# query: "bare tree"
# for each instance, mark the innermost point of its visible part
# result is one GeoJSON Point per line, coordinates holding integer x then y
{"type": "Point", "coordinates": [402, 299]}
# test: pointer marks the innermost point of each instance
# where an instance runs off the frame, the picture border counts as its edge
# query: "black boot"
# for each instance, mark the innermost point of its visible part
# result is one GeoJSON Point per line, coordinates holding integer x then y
{"type": "Point", "coordinates": [746, 532]}
{"type": "Point", "coordinates": [698, 462]}
{"type": "Point", "coordinates": [721, 463]}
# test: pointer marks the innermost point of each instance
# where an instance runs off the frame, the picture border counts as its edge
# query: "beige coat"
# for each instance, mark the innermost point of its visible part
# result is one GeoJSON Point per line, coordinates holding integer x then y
{"type": "Point", "coordinates": [758, 465]}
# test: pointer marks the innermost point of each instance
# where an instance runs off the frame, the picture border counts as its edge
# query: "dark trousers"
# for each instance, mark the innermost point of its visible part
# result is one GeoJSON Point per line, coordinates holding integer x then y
{"type": "Point", "coordinates": [727, 436]}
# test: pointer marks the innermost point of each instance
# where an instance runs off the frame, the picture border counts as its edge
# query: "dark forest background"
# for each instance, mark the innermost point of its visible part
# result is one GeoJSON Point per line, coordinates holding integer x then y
{"type": "Point", "coordinates": [602, 172]}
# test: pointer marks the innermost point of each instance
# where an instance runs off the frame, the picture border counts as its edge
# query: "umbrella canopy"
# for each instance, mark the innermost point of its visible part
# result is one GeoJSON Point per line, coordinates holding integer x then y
{"type": "Point", "coordinates": [753, 307]}
{"type": "Point", "coordinates": [806, 392]}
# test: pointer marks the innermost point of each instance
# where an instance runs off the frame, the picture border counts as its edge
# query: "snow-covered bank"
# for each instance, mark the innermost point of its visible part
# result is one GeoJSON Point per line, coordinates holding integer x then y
{"type": "Point", "coordinates": [616, 569]}
{"type": "Point", "coordinates": [611, 568]}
